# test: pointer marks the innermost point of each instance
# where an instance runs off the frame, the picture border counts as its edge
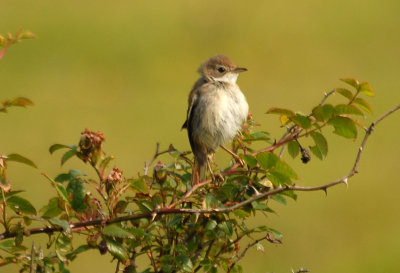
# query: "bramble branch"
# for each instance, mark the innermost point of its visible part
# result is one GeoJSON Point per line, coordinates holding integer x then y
{"type": "Point", "coordinates": [172, 210]}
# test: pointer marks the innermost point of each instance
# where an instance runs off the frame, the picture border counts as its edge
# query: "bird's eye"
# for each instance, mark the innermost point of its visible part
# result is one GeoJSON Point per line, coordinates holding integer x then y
{"type": "Point", "coordinates": [221, 70]}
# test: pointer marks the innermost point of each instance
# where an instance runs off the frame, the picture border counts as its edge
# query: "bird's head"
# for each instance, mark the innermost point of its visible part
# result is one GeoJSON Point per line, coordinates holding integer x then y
{"type": "Point", "coordinates": [220, 68]}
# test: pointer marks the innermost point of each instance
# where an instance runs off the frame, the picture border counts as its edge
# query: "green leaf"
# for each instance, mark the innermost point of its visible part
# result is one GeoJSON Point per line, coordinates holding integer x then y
{"type": "Point", "coordinates": [19, 204]}
{"type": "Point", "coordinates": [72, 255]}
{"type": "Point", "coordinates": [62, 191]}
{"type": "Point", "coordinates": [250, 160]}
{"type": "Point", "coordinates": [117, 249]}
{"type": "Point", "coordinates": [280, 111]}
{"type": "Point", "coordinates": [257, 136]}
{"type": "Point", "coordinates": [344, 127]}
{"type": "Point", "coordinates": [293, 148]}
{"type": "Point", "coordinates": [60, 223]}
{"type": "Point", "coordinates": [116, 231]}
{"type": "Point", "coordinates": [363, 104]}
{"type": "Point", "coordinates": [278, 179]}
{"type": "Point", "coordinates": [318, 113]}
{"type": "Point", "coordinates": [184, 263]}
{"type": "Point", "coordinates": [211, 201]}
{"type": "Point", "coordinates": [10, 247]}
{"type": "Point", "coordinates": [140, 186]}
{"type": "Point", "coordinates": [76, 187]}
{"type": "Point", "coordinates": [20, 159]}
{"type": "Point", "coordinates": [52, 209]}
{"type": "Point", "coordinates": [328, 111]}
{"type": "Point", "coordinates": [176, 219]}
{"type": "Point", "coordinates": [290, 194]}
{"type": "Point", "coordinates": [137, 232]}
{"type": "Point", "coordinates": [279, 198]}
{"type": "Point", "coordinates": [352, 82]}
{"type": "Point", "coordinates": [344, 92]}
{"type": "Point", "coordinates": [347, 109]}
{"type": "Point", "coordinates": [366, 89]}
{"type": "Point", "coordinates": [267, 160]}
{"type": "Point", "coordinates": [241, 213]}
{"type": "Point", "coordinates": [104, 163]}
{"type": "Point", "coordinates": [67, 156]}
{"type": "Point", "coordinates": [211, 224]}
{"type": "Point", "coordinates": [321, 145]}
{"type": "Point", "coordinates": [56, 147]}
{"type": "Point", "coordinates": [284, 168]}
{"type": "Point", "coordinates": [302, 121]}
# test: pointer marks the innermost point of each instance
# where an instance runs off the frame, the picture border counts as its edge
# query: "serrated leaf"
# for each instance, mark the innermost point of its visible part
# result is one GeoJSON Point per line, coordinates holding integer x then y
{"type": "Point", "coordinates": [20, 159]}
{"type": "Point", "coordinates": [74, 253]}
{"type": "Point", "coordinates": [321, 145]}
{"type": "Point", "coordinates": [344, 127]}
{"type": "Point", "coordinates": [56, 147]}
{"type": "Point", "coordinates": [184, 263]}
{"type": "Point", "coordinates": [211, 224]}
{"type": "Point", "coordinates": [363, 104]}
{"type": "Point", "coordinates": [278, 178]}
{"type": "Point", "coordinates": [279, 198]}
{"type": "Point", "coordinates": [61, 223]}
{"type": "Point", "coordinates": [176, 219]}
{"type": "Point", "coordinates": [116, 231]}
{"type": "Point", "coordinates": [318, 113]}
{"type": "Point", "coordinates": [352, 82]}
{"type": "Point", "coordinates": [257, 136]}
{"type": "Point", "coordinates": [241, 213]}
{"type": "Point", "coordinates": [19, 204]}
{"type": "Point", "coordinates": [293, 148]}
{"type": "Point", "coordinates": [250, 160]}
{"type": "Point", "coordinates": [366, 89]}
{"type": "Point", "coordinates": [140, 186]}
{"type": "Point", "coordinates": [137, 232]}
{"type": "Point", "coordinates": [344, 92]}
{"type": "Point", "coordinates": [347, 109]}
{"type": "Point", "coordinates": [67, 156]}
{"type": "Point", "coordinates": [284, 168]}
{"type": "Point", "coordinates": [116, 249]}
{"type": "Point", "coordinates": [76, 188]}
{"type": "Point", "coordinates": [291, 194]}
{"type": "Point", "coordinates": [52, 209]}
{"type": "Point", "coordinates": [280, 111]}
{"type": "Point", "coordinates": [104, 163]}
{"type": "Point", "coordinates": [328, 111]}
{"type": "Point", "coordinates": [267, 160]}
{"type": "Point", "coordinates": [302, 121]}
{"type": "Point", "coordinates": [10, 247]}
{"type": "Point", "coordinates": [316, 152]}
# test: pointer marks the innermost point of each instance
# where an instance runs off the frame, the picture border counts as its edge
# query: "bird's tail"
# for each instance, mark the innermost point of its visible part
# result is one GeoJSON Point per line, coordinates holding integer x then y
{"type": "Point", "coordinates": [200, 168]}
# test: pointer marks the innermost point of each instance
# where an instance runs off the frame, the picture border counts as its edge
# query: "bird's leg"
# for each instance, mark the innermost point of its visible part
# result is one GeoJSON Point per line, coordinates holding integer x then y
{"type": "Point", "coordinates": [214, 177]}
{"type": "Point", "coordinates": [239, 160]}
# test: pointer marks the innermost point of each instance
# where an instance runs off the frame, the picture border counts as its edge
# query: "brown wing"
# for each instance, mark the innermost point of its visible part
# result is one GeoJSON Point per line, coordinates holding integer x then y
{"type": "Point", "coordinates": [192, 99]}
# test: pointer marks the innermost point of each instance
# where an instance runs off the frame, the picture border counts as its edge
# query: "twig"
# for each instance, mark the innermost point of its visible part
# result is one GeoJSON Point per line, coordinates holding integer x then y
{"type": "Point", "coordinates": [172, 210]}
{"type": "Point", "coordinates": [266, 237]}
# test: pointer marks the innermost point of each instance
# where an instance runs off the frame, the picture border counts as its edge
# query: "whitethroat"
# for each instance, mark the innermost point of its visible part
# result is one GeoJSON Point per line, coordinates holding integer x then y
{"type": "Point", "coordinates": [216, 112]}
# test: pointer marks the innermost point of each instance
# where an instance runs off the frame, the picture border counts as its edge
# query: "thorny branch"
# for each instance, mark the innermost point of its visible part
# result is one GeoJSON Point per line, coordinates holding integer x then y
{"type": "Point", "coordinates": [172, 210]}
{"type": "Point", "coordinates": [239, 257]}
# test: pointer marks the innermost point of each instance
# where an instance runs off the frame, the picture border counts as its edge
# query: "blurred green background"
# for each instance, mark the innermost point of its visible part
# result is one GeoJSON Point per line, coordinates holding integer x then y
{"type": "Point", "coordinates": [126, 68]}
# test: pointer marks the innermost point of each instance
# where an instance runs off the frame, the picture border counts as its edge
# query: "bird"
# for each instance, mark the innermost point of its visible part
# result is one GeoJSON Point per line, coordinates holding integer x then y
{"type": "Point", "coordinates": [217, 108]}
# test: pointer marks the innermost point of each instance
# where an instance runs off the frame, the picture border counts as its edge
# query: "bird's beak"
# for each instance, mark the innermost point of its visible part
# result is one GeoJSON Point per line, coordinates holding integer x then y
{"type": "Point", "coordinates": [240, 69]}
